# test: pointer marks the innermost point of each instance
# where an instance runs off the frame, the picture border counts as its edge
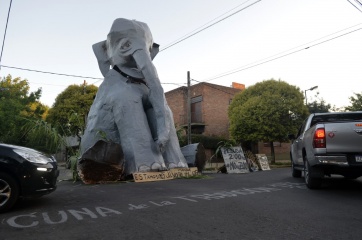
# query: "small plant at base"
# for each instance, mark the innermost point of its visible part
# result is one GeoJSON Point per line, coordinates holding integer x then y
{"type": "Point", "coordinates": [222, 144]}
{"type": "Point", "coordinates": [103, 135]}
{"type": "Point", "coordinates": [198, 176]}
{"type": "Point", "coordinates": [73, 167]}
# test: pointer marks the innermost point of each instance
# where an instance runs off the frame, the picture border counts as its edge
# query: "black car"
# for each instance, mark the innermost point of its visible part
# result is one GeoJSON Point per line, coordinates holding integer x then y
{"type": "Point", "coordinates": [25, 172]}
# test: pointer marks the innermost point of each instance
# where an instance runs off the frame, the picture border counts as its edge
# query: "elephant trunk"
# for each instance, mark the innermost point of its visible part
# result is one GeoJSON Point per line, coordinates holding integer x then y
{"type": "Point", "coordinates": [156, 95]}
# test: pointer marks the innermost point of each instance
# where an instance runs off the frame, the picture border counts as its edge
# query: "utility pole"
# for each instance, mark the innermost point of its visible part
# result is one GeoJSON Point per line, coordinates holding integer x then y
{"type": "Point", "coordinates": [188, 109]}
{"type": "Point", "coordinates": [85, 114]}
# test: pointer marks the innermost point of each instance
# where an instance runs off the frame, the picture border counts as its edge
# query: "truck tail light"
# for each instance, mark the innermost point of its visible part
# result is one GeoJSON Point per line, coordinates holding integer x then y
{"type": "Point", "coordinates": [319, 140]}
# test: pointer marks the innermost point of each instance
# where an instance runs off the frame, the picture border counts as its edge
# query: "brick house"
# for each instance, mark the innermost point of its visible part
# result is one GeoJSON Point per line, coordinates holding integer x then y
{"type": "Point", "coordinates": [209, 112]}
{"type": "Point", "coordinates": [209, 107]}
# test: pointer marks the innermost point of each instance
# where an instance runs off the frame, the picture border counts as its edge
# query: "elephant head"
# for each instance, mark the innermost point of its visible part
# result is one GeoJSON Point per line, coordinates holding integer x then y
{"type": "Point", "coordinates": [130, 47]}
{"type": "Point", "coordinates": [124, 39]}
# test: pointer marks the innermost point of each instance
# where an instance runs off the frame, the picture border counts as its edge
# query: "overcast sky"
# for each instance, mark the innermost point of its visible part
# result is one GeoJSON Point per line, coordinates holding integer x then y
{"type": "Point", "coordinates": [303, 42]}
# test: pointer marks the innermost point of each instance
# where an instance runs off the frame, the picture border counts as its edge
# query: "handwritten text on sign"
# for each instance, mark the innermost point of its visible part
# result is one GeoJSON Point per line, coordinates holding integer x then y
{"type": "Point", "coordinates": [164, 175]}
{"type": "Point", "coordinates": [235, 161]}
{"type": "Point", "coordinates": [263, 161]}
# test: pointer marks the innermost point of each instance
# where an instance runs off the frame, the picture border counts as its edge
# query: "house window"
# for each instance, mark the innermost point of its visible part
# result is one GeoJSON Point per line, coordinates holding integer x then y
{"type": "Point", "coordinates": [196, 109]}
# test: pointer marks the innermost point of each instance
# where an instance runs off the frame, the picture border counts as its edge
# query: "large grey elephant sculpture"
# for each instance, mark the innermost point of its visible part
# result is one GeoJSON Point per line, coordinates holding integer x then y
{"type": "Point", "coordinates": [130, 108]}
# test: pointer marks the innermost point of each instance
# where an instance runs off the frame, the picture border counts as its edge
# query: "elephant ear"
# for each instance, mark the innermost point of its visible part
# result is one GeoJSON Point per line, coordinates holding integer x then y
{"type": "Point", "coordinates": [100, 50]}
{"type": "Point", "coordinates": [154, 50]}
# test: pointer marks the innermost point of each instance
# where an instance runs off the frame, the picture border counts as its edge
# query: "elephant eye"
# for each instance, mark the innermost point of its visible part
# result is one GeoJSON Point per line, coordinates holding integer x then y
{"type": "Point", "coordinates": [125, 44]}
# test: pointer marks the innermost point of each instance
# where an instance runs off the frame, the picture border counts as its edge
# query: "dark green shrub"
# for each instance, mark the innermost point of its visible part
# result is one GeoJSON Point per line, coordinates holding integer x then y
{"type": "Point", "coordinates": [207, 141]}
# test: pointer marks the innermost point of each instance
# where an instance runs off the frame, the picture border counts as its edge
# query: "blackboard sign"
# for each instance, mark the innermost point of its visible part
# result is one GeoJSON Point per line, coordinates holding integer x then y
{"type": "Point", "coordinates": [263, 161]}
{"type": "Point", "coordinates": [235, 161]}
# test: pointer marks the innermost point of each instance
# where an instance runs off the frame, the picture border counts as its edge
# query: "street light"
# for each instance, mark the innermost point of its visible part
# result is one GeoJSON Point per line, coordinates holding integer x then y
{"type": "Point", "coordinates": [305, 93]}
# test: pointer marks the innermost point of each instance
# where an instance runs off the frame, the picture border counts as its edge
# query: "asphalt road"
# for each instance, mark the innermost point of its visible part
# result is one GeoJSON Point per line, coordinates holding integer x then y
{"type": "Point", "coordinates": [260, 205]}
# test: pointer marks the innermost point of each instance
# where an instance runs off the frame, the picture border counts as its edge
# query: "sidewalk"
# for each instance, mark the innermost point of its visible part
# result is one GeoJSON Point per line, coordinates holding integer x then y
{"type": "Point", "coordinates": [64, 174]}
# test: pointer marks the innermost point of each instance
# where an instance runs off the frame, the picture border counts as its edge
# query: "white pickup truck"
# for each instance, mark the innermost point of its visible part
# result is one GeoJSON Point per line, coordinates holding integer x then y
{"type": "Point", "coordinates": [327, 143]}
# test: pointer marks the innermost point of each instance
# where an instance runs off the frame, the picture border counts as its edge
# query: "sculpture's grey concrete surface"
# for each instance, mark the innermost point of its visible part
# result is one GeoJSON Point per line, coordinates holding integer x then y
{"type": "Point", "coordinates": [130, 107]}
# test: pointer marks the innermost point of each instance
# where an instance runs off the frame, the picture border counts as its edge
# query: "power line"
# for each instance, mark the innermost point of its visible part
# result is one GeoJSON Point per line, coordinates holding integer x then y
{"type": "Point", "coordinates": [258, 63]}
{"type": "Point", "coordinates": [167, 45]}
{"type": "Point", "coordinates": [210, 85]}
{"type": "Point", "coordinates": [358, 2]}
{"type": "Point", "coordinates": [223, 74]}
{"type": "Point", "coordinates": [61, 74]}
{"type": "Point", "coordinates": [183, 39]}
{"type": "Point", "coordinates": [56, 85]}
{"type": "Point", "coordinates": [228, 72]}
{"type": "Point", "coordinates": [6, 27]}
{"type": "Point", "coordinates": [181, 85]}
{"type": "Point", "coordinates": [193, 34]}
{"type": "Point", "coordinates": [218, 76]}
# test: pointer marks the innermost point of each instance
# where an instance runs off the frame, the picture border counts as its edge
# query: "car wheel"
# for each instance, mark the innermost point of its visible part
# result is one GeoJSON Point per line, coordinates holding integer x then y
{"type": "Point", "coordinates": [311, 182]}
{"type": "Point", "coordinates": [9, 192]}
{"type": "Point", "coordinates": [295, 173]}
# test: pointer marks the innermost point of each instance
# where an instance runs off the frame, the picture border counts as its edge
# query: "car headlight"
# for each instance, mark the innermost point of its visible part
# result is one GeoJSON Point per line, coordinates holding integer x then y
{"type": "Point", "coordinates": [33, 157]}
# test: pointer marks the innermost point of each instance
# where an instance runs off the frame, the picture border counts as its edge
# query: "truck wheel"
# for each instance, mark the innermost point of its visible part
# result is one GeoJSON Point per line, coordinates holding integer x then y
{"type": "Point", "coordinates": [311, 182]}
{"type": "Point", "coordinates": [9, 192]}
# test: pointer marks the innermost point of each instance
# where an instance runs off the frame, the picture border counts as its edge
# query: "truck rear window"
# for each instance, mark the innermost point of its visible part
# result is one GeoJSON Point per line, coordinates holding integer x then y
{"type": "Point", "coordinates": [342, 117]}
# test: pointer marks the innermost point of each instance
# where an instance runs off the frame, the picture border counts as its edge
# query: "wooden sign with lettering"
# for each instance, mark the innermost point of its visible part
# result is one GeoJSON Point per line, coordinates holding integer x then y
{"type": "Point", "coordinates": [263, 161]}
{"type": "Point", "coordinates": [165, 175]}
{"type": "Point", "coordinates": [235, 161]}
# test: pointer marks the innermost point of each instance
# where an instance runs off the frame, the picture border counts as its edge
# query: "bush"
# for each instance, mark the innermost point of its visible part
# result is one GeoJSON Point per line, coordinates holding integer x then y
{"type": "Point", "coordinates": [207, 141]}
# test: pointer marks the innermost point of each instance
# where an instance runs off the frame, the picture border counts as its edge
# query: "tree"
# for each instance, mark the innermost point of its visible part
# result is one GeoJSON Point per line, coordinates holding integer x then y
{"type": "Point", "coordinates": [267, 111]}
{"type": "Point", "coordinates": [17, 105]}
{"type": "Point", "coordinates": [319, 107]}
{"type": "Point", "coordinates": [71, 107]}
{"type": "Point", "coordinates": [42, 136]}
{"type": "Point", "coordinates": [356, 102]}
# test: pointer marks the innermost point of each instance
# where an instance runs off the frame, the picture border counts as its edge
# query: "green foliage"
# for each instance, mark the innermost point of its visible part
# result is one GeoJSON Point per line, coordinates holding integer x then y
{"type": "Point", "coordinates": [356, 102]}
{"type": "Point", "coordinates": [40, 135]}
{"type": "Point", "coordinates": [179, 132]}
{"type": "Point", "coordinates": [319, 107]}
{"type": "Point", "coordinates": [103, 135]}
{"type": "Point", "coordinates": [17, 106]}
{"type": "Point", "coordinates": [198, 176]}
{"type": "Point", "coordinates": [73, 167]}
{"type": "Point", "coordinates": [71, 107]}
{"type": "Point", "coordinates": [222, 144]}
{"type": "Point", "coordinates": [267, 111]}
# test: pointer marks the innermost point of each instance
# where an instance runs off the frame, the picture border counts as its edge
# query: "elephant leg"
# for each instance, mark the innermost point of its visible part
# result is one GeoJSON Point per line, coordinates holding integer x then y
{"type": "Point", "coordinates": [172, 155]}
{"type": "Point", "coordinates": [141, 153]}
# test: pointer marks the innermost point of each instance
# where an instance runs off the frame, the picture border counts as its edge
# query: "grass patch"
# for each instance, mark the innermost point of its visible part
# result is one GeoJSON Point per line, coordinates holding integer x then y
{"type": "Point", "coordinates": [281, 164]}
{"type": "Point", "coordinates": [199, 176]}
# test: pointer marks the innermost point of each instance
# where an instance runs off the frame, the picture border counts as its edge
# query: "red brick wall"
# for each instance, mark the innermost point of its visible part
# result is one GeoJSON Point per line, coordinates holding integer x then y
{"type": "Point", "coordinates": [176, 100]}
{"type": "Point", "coordinates": [282, 148]}
{"type": "Point", "coordinates": [215, 103]}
